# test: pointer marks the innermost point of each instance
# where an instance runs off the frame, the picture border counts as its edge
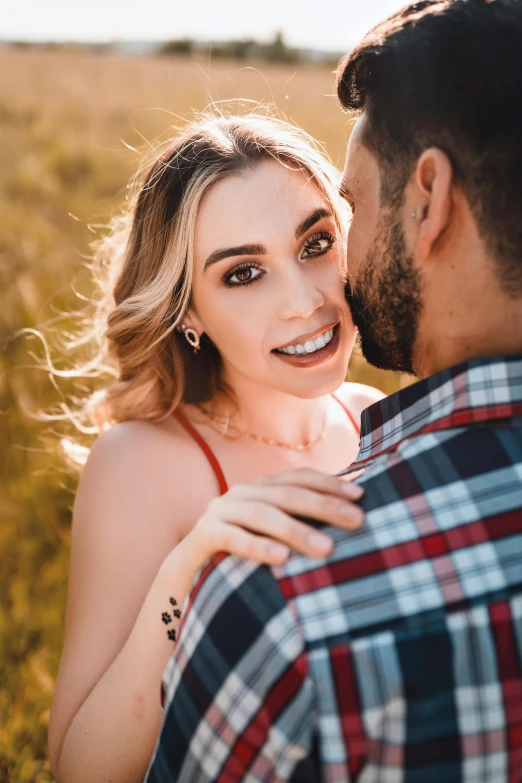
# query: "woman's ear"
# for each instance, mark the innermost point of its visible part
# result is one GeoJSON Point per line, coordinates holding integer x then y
{"type": "Point", "coordinates": [192, 320]}
{"type": "Point", "coordinates": [434, 182]}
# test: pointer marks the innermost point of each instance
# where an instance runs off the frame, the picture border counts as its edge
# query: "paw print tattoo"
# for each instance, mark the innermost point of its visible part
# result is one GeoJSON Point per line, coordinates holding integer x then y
{"type": "Point", "coordinates": [166, 617]}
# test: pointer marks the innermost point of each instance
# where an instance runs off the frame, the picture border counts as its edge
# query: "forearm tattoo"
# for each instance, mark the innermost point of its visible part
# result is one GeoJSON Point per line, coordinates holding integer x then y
{"type": "Point", "coordinates": [167, 619]}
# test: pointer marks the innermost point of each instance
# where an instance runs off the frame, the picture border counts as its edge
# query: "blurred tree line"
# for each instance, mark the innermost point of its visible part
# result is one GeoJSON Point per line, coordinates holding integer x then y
{"type": "Point", "coordinates": [274, 51]}
{"type": "Point", "coordinates": [245, 49]}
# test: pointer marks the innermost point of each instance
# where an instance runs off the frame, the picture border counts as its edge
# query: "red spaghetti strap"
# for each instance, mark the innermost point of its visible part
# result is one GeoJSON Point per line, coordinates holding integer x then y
{"type": "Point", "coordinates": [350, 415]}
{"type": "Point", "coordinates": [205, 448]}
{"type": "Point", "coordinates": [216, 467]}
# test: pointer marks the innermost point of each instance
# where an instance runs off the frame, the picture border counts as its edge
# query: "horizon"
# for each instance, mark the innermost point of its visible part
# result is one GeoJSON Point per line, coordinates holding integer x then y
{"type": "Point", "coordinates": [333, 29]}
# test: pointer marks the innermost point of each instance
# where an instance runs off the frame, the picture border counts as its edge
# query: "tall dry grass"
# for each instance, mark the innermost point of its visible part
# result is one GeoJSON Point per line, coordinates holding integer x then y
{"type": "Point", "coordinates": [65, 119]}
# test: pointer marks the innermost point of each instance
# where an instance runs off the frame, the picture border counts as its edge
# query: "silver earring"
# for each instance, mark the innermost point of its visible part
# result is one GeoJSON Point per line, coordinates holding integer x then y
{"type": "Point", "coordinates": [191, 336]}
{"type": "Point", "coordinates": [414, 215]}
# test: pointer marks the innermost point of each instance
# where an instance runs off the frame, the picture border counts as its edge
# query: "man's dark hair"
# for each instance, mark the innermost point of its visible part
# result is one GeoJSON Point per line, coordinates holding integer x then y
{"type": "Point", "coordinates": [448, 73]}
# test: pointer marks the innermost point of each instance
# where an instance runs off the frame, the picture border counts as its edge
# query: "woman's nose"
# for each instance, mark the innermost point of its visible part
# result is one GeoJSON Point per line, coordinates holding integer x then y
{"type": "Point", "coordinates": [299, 295]}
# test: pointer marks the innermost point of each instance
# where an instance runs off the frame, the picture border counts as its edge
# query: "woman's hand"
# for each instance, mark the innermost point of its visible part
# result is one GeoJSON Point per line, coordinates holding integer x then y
{"type": "Point", "coordinates": [256, 521]}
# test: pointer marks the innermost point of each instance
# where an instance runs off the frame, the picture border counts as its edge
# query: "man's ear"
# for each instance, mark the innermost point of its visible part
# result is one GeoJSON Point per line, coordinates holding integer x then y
{"type": "Point", "coordinates": [434, 182]}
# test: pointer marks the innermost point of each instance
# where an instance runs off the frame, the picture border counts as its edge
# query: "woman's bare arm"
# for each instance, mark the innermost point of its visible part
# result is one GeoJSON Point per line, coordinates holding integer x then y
{"type": "Point", "coordinates": [113, 734]}
{"type": "Point", "coordinates": [128, 514]}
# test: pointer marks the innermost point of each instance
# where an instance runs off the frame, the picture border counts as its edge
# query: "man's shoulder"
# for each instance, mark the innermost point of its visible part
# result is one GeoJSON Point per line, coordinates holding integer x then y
{"type": "Point", "coordinates": [436, 458]}
{"type": "Point", "coordinates": [439, 501]}
{"type": "Point", "coordinates": [440, 480]}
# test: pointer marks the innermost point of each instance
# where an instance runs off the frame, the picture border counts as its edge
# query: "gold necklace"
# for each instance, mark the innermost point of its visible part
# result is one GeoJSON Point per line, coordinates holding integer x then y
{"type": "Point", "coordinates": [269, 441]}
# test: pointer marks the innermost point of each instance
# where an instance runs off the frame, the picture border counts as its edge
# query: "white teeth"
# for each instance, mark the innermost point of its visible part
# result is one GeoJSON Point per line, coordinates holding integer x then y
{"type": "Point", "coordinates": [310, 346]}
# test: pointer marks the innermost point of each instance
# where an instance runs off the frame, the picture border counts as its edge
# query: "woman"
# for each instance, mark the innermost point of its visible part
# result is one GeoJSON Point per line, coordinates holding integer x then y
{"type": "Point", "coordinates": [228, 327]}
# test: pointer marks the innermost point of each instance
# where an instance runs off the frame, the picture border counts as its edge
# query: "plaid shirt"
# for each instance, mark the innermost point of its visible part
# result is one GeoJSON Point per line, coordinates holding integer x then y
{"type": "Point", "coordinates": [398, 658]}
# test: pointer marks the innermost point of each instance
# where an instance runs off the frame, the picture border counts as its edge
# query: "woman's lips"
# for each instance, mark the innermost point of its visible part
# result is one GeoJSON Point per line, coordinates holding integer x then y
{"type": "Point", "coordinates": [310, 336]}
{"type": "Point", "coordinates": [317, 357]}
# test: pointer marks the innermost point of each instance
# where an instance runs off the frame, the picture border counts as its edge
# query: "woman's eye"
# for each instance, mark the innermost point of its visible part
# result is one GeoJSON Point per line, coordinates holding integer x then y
{"type": "Point", "coordinates": [318, 244]}
{"type": "Point", "coordinates": [242, 276]}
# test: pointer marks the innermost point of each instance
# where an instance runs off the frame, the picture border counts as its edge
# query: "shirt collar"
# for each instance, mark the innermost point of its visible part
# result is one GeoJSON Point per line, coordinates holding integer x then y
{"type": "Point", "coordinates": [478, 390]}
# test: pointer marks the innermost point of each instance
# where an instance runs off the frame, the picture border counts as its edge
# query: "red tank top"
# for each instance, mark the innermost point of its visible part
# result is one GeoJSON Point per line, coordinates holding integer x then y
{"type": "Point", "coordinates": [209, 454]}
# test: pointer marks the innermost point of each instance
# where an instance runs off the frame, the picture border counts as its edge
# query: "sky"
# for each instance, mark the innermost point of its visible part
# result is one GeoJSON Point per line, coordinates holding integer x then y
{"type": "Point", "coordinates": [319, 24]}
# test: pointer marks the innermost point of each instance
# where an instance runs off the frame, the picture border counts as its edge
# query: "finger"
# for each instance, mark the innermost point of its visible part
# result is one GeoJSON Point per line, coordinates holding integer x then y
{"type": "Point", "coordinates": [331, 509]}
{"type": "Point", "coordinates": [334, 510]}
{"type": "Point", "coordinates": [237, 541]}
{"type": "Point", "coordinates": [342, 486]}
{"type": "Point", "coordinates": [266, 520]}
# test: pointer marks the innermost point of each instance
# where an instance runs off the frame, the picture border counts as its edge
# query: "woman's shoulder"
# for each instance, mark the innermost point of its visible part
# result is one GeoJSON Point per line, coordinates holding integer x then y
{"type": "Point", "coordinates": [143, 443]}
{"type": "Point", "coordinates": [144, 464]}
{"type": "Point", "coordinates": [138, 445]}
{"type": "Point", "coordinates": [358, 396]}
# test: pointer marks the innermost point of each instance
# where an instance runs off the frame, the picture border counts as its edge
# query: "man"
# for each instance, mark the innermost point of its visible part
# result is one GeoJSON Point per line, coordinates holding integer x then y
{"type": "Point", "coordinates": [399, 657]}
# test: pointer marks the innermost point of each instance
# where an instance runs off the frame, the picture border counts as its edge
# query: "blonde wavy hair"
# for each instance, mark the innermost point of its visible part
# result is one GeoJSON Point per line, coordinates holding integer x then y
{"type": "Point", "coordinates": [144, 265]}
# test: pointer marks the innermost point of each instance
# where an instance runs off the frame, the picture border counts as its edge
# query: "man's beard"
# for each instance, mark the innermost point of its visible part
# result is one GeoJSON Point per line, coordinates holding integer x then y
{"type": "Point", "coordinates": [386, 301]}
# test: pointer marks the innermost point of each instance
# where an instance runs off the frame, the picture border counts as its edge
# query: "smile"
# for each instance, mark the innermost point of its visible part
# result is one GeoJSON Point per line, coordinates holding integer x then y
{"type": "Point", "coordinates": [312, 352]}
{"type": "Point", "coordinates": [310, 346]}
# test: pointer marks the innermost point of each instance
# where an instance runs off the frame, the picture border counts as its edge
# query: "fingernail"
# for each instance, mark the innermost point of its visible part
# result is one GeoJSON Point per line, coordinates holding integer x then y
{"type": "Point", "coordinates": [320, 542]}
{"type": "Point", "coordinates": [354, 491]}
{"type": "Point", "coordinates": [278, 550]}
{"type": "Point", "coordinates": [352, 513]}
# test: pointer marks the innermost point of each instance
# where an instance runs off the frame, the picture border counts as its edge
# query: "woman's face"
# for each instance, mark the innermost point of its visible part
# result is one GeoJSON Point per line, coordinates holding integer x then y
{"type": "Point", "coordinates": [268, 276]}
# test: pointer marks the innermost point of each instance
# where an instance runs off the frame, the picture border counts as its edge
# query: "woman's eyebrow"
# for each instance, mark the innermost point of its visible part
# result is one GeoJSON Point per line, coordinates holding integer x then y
{"type": "Point", "coordinates": [241, 250]}
{"type": "Point", "coordinates": [311, 220]}
{"type": "Point", "coordinates": [260, 250]}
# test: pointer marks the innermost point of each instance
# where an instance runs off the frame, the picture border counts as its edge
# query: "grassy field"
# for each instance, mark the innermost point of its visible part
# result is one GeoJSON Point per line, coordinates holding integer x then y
{"type": "Point", "coordinates": [65, 119]}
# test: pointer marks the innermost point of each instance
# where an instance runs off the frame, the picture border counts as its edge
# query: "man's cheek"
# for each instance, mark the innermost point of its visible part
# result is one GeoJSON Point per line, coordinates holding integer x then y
{"type": "Point", "coordinates": [353, 252]}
